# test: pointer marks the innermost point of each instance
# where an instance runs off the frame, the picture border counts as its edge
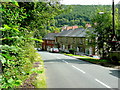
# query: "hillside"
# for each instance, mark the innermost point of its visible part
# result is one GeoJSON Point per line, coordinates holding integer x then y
{"type": "Point", "coordinates": [79, 14]}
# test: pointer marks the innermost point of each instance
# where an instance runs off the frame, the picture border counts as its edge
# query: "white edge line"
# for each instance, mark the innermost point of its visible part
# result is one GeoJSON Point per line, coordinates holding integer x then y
{"type": "Point", "coordinates": [65, 61]}
{"type": "Point", "coordinates": [109, 68]}
{"type": "Point", "coordinates": [102, 83]}
{"type": "Point", "coordinates": [78, 69]}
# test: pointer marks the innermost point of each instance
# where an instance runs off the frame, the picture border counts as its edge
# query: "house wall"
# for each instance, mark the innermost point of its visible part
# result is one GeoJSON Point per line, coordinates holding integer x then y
{"type": "Point", "coordinates": [48, 44]}
{"type": "Point", "coordinates": [90, 49]}
{"type": "Point", "coordinates": [77, 43]}
{"type": "Point", "coordinates": [67, 43]}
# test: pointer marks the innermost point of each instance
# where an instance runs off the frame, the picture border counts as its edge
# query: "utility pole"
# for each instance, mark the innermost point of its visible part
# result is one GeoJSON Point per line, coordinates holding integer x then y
{"type": "Point", "coordinates": [113, 22]}
{"type": "Point", "coordinates": [113, 17]}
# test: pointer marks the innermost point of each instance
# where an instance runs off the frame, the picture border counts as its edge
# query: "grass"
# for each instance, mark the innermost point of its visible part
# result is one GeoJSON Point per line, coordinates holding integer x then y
{"type": "Point", "coordinates": [79, 56]}
{"type": "Point", "coordinates": [37, 78]}
{"type": "Point", "coordinates": [40, 79]}
{"type": "Point", "coordinates": [90, 59]}
{"type": "Point", "coordinates": [103, 62]}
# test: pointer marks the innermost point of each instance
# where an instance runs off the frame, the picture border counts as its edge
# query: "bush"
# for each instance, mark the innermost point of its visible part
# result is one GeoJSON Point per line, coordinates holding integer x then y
{"type": "Point", "coordinates": [72, 51]}
{"type": "Point", "coordinates": [13, 61]}
{"type": "Point", "coordinates": [17, 64]}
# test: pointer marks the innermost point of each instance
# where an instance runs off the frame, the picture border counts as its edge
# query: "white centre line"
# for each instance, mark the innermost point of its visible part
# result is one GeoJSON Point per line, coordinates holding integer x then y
{"type": "Point", "coordinates": [65, 61]}
{"type": "Point", "coordinates": [78, 69]}
{"type": "Point", "coordinates": [102, 83]}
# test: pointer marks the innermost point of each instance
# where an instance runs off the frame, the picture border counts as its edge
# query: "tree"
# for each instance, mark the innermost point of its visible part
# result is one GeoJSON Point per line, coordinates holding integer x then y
{"type": "Point", "coordinates": [117, 26]}
{"type": "Point", "coordinates": [117, 20]}
{"type": "Point", "coordinates": [21, 22]}
{"type": "Point", "coordinates": [103, 31]}
{"type": "Point", "coordinates": [78, 14]}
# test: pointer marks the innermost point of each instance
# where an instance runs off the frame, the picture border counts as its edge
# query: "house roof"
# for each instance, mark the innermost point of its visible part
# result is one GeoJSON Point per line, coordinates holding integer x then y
{"type": "Point", "coordinates": [79, 32]}
{"type": "Point", "coordinates": [50, 36]}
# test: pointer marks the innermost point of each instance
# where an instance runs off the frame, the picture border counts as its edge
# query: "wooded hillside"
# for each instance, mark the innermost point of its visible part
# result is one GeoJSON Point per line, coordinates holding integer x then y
{"type": "Point", "coordinates": [79, 14]}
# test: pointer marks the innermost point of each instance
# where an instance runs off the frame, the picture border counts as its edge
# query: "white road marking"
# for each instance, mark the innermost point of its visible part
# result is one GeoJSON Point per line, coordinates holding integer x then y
{"type": "Point", "coordinates": [58, 58]}
{"type": "Point", "coordinates": [50, 54]}
{"type": "Point", "coordinates": [65, 61]}
{"type": "Point", "coordinates": [78, 69]}
{"type": "Point", "coordinates": [102, 83]}
{"type": "Point", "coordinates": [50, 62]}
{"type": "Point", "coordinates": [109, 68]}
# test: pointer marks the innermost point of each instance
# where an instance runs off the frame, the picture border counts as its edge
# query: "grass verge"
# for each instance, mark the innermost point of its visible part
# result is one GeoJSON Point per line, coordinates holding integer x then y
{"type": "Point", "coordinates": [40, 78]}
{"type": "Point", "coordinates": [37, 78]}
{"type": "Point", "coordinates": [103, 62]}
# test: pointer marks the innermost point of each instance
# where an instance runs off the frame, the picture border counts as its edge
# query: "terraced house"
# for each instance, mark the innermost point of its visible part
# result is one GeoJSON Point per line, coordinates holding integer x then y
{"type": "Point", "coordinates": [48, 41]}
{"type": "Point", "coordinates": [73, 39]}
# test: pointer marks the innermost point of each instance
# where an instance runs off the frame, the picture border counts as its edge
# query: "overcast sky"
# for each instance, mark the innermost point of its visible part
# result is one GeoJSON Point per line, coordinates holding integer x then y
{"type": "Point", "coordinates": [89, 2]}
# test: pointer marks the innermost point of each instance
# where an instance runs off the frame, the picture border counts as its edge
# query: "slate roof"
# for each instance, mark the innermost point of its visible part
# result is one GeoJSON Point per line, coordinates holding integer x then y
{"type": "Point", "coordinates": [79, 32]}
{"type": "Point", "coordinates": [50, 36]}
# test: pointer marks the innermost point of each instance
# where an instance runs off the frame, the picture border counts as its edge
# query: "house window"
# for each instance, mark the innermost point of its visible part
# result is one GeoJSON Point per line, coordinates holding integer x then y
{"type": "Point", "coordinates": [52, 42]}
{"type": "Point", "coordinates": [47, 41]}
{"type": "Point", "coordinates": [81, 41]}
{"type": "Point", "coordinates": [63, 47]}
{"type": "Point", "coordinates": [61, 39]}
{"type": "Point", "coordinates": [73, 40]}
{"type": "Point", "coordinates": [77, 49]}
{"type": "Point", "coordinates": [66, 40]}
{"type": "Point", "coordinates": [71, 46]}
{"type": "Point", "coordinates": [81, 49]}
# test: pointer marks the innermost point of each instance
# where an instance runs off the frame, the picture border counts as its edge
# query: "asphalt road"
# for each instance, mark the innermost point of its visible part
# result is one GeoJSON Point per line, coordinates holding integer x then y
{"type": "Point", "coordinates": [68, 72]}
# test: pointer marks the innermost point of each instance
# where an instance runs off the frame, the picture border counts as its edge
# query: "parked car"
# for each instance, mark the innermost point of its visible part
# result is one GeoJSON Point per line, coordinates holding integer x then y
{"type": "Point", "coordinates": [39, 49]}
{"type": "Point", "coordinates": [56, 50]}
{"type": "Point", "coordinates": [96, 57]}
{"type": "Point", "coordinates": [66, 51]}
{"type": "Point", "coordinates": [48, 49]}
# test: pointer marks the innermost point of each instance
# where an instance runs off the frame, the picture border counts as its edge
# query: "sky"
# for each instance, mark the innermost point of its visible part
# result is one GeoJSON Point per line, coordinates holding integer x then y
{"type": "Point", "coordinates": [89, 2]}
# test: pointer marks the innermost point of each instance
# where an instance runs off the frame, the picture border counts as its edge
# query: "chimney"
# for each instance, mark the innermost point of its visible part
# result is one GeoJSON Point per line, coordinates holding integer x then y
{"type": "Point", "coordinates": [74, 27]}
{"type": "Point", "coordinates": [87, 25]}
{"type": "Point", "coordinates": [69, 27]}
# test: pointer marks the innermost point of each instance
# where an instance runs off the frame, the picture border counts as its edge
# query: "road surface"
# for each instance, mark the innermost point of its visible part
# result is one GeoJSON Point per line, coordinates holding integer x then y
{"type": "Point", "coordinates": [67, 72]}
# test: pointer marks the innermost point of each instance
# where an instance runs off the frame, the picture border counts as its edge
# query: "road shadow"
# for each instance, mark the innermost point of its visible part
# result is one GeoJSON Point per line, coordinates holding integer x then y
{"type": "Point", "coordinates": [115, 73]}
{"type": "Point", "coordinates": [54, 61]}
{"type": "Point", "coordinates": [67, 60]}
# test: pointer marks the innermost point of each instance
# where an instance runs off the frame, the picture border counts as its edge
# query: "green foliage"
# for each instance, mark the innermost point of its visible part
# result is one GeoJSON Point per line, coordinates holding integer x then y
{"type": "Point", "coordinates": [12, 62]}
{"type": "Point", "coordinates": [43, 17]}
{"type": "Point", "coordinates": [23, 24]}
{"type": "Point", "coordinates": [72, 51]}
{"type": "Point", "coordinates": [78, 14]}
{"type": "Point", "coordinates": [117, 24]}
{"type": "Point", "coordinates": [101, 35]}
{"type": "Point", "coordinates": [40, 81]}
{"type": "Point", "coordinates": [91, 37]}
{"type": "Point", "coordinates": [17, 64]}
{"type": "Point", "coordinates": [12, 15]}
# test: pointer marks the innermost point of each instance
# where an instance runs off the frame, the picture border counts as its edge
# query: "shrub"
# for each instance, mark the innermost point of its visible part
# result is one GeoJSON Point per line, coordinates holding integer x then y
{"type": "Point", "coordinates": [72, 51]}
